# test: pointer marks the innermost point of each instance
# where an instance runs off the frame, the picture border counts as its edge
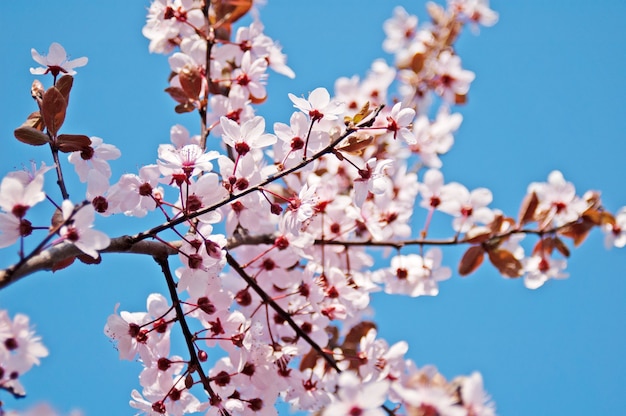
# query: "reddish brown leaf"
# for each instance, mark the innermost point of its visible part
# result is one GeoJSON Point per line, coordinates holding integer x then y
{"type": "Point", "coordinates": [184, 108]}
{"type": "Point", "coordinates": [577, 232]}
{"type": "Point", "coordinates": [355, 144]}
{"type": "Point", "coordinates": [528, 208]}
{"type": "Point", "coordinates": [191, 81]}
{"type": "Point", "coordinates": [53, 109]}
{"type": "Point", "coordinates": [34, 120]}
{"type": "Point", "coordinates": [309, 359]}
{"type": "Point", "coordinates": [471, 260]}
{"type": "Point", "coordinates": [228, 12]}
{"type": "Point", "coordinates": [607, 218]}
{"type": "Point", "coordinates": [353, 338]}
{"type": "Point", "coordinates": [31, 136]}
{"type": "Point", "coordinates": [64, 85]}
{"type": "Point", "coordinates": [561, 247]}
{"type": "Point", "coordinates": [544, 246]}
{"type": "Point", "coordinates": [68, 143]}
{"type": "Point", "coordinates": [505, 262]}
{"type": "Point", "coordinates": [593, 215]}
{"type": "Point", "coordinates": [417, 62]}
{"type": "Point", "coordinates": [178, 94]}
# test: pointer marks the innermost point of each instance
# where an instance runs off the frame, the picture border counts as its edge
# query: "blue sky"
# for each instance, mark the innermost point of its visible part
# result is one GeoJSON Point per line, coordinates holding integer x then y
{"type": "Point", "coordinates": [549, 94]}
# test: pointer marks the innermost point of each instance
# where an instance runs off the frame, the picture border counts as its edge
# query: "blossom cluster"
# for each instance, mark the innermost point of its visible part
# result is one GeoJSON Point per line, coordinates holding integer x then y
{"type": "Point", "coordinates": [274, 226]}
{"type": "Point", "coordinates": [20, 350]}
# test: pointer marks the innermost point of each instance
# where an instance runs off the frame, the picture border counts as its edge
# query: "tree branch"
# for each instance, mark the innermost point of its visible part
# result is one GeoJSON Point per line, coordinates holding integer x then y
{"type": "Point", "coordinates": [47, 259]}
{"type": "Point", "coordinates": [280, 311]}
{"type": "Point", "coordinates": [189, 337]}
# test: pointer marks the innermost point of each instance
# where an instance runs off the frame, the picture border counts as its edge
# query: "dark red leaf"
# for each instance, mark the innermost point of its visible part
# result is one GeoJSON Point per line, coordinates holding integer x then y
{"type": "Point", "coordinates": [31, 136]}
{"type": "Point", "coordinates": [505, 262]}
{"type": "Point", "coordinates": [471, 260]}
{"type": "Point", "coordinates": [53, 110]}
{"type": "Point", "coordinates": [68, 143]}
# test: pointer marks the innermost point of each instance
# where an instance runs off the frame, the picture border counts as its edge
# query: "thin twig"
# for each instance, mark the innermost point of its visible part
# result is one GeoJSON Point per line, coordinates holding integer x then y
{"type": "Point", "coordinates": [189, 337]}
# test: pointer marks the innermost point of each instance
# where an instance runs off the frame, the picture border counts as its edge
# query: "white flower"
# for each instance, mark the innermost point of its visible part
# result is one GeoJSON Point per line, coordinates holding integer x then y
{"type": "Point", "coordinates": [318, 106]}
{"type": "Point", "coordinates": [616, 233]}
{"type": "Point", "coordinates": [20, 348]}
{"type": "Point", "coordinates": [539, 270]}
{"type": "Point", "coordinates": [55, 62]}
{"type": "Point", "coordinates": [95, 157]}
{"type": "Point", "coordinates": [77, 229]}
{"type": "Point", "coordinates": [357, 398]}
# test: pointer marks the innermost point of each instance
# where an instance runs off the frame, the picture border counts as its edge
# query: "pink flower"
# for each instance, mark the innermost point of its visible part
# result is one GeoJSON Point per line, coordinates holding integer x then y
{"type": "Point", "coordinates": [357, 398]}
{"type": "Point", "coordinates": [135, 195]}
{"type": "Point", "coordinates": [374, 179]}
{"type": "Point", "coordinates": [252, 75]}
{"type": "Point", "coordinates": [20, 348]}
{"type": "Point", "coordinates": [95, 158]}
{"type": "Point", "coordinates": [475, 400]}
{"type": "Point", "coordinates": [558, 200]}
{"type": "Point", "coordinates": [77, 229]}
{"type": "Point", "coordinates": [249, 135]}
{"type": "Point", "coordinates": [178, 165]}
{"type": "Point", "coordinates": [398, 122]}
{"type": "Point", "coordinates": [16, 198]}
{"type": "Point", "coordinates": [475, 11]}
{"type": "Point", "coordinates": [451, 80]}
{"type": "Point", "coordinates": [539, 269]}
{"type": "Point", "coordinates": [616, 233]}
{"type": "Point", "coordinates": [55, 62]}
{"type": "Point", "coordinates": [436, 195]}
{"type": "Point", "coordinates": [473, 208]}
{"type": "Point", "coordinates": [415, 275]}
{"type": "Point", "coordinates": [434, 139]}
{"type": "Point", "coordinates": [318, 106]}
{"type": "Point", "coordinates": [400, 30]}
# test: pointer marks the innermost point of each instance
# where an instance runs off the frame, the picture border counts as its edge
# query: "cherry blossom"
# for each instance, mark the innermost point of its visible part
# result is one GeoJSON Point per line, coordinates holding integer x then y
{"type": "Point", "coordinates": [476, 11]}
{"type": "Point", "coordinates": [270, 256]}
{"type": "Point", "coordinates": [77, 229]}
{"type": "Point", "coordinates": [178, 165]}
{"type": "Point", "coordinates": [319, 105]}
{"type": "Point", "coordinates": [558, 200]}
{"type": "Point", "coordinates": [372, 179]}
{"type": "Point", "coordinates": [539, 269]}
{"type": "Point", "coordinates": [356, 398]}
{"type": "Point", "coordinates": [400, 30]}
{"type": "Point", "coordinates": [451, 80]}
{"type": "Point", "coordinates": [434, 139]}
{"type": "Point", "coordinates": [94, 157]}
{"type": "Point", "coordinates": [249, 135]}
{"type": "Point", "coordinates": [475, 400]}
{"type": "Point", "coordinates": [55, 62]}
{"type": "Point", "coordinates": [436, 195]}
{"type": "Point", "coordinates": [252, 75]}
{"type": "Point", "coordinates": [16, 198]}
{"type": "Point", "coordinates": [616, 233]}
{"type": "Point", "coordinates": [415, 275]}
{"type": "Point", "coordinates": [20, 348]}
{"type": "Point", "coordinates": [398, 122]}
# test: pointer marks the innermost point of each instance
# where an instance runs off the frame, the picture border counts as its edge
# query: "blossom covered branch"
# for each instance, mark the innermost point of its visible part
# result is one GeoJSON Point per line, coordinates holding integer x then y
{"type": "Point", "coordinates": [266, 239]}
